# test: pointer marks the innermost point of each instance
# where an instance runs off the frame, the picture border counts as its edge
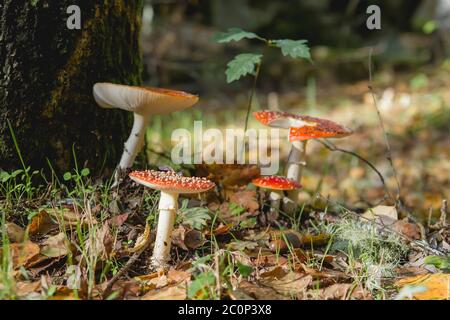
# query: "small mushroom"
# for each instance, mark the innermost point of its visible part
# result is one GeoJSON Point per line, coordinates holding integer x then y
{"type": "Point", "coordinates": [301, 129]}
{"type": "Point", "coordinates": [171, 185]}
{"type": "Point", "coordinates": [143, 102]}
{"type": "Point", "coordinates": [277, 184]}
{"type": "Point", "coordinates": [304, 128]}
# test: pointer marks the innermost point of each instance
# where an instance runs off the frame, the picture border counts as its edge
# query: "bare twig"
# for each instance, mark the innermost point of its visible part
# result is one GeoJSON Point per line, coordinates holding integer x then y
{"type": "Point", "coordinates": [250, 101]}
{"type": "Point", "coordinates": [386, 135]}
{"type": "Point", "coordinates": [443, 218]}
{"type": "Point", "coordinates": [252, 93]}
{"type": "Point", "coordinates": [332, 147]}
{"type": "Point", "coordinates": [442, 223]}
{"type": "Point", "coordinates": [122, 271]}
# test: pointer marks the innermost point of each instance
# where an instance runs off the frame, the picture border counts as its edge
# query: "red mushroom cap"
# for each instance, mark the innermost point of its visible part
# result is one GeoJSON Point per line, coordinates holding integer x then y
{"type": "Point", "coordinates": [276, 183]}
{"type": "Point", "coordinates": [302, 127]}
{"type": "Point", "coordinates": [267, 116]}
{"type": "Point", "coordinates": [321, 129]}
{"type": "Point", "coordinates": [283, 120]}
{"type": "Point", "coordinates": [170, 181]}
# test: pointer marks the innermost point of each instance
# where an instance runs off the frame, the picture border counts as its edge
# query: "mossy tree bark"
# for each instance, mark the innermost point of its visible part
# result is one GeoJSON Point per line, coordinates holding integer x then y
{"type": "Point", "coordinates": [46, 76]}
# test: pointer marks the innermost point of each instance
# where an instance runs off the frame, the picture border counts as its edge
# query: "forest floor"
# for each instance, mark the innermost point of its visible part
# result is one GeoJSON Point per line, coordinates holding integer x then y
{"type": "Point", "coordinates": [80, 238]}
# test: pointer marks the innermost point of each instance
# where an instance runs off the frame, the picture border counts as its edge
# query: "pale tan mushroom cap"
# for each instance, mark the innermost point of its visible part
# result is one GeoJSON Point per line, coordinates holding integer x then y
{"type": "Point", "coordinates": [142, 100]}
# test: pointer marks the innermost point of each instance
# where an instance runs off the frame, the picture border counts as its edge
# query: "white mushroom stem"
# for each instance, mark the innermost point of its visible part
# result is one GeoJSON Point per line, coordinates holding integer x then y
{"type": "Point", "coordinates": [275, 197]}
{"type": "Point", "coordinates": [168, 207]}
{"type": "Point", "coordinates": [294, 170]}
{"type": "Point", "coordinates": [296, 160]}
{"type": "Point", "coordinates": [135, 141]}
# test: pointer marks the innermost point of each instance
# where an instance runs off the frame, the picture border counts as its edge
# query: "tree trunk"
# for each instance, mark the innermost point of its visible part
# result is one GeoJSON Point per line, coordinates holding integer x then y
{"type": "Point", "coordinates": [46, 76]}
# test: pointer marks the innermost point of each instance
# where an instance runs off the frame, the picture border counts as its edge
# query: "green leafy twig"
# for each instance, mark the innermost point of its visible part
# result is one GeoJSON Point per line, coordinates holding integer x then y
{"type": "Point", "coordinates": [241, 65]}
{"type": "Point", "coordinates": [235, 34]}
{"type": "Point", "coordinates": [250, 63]}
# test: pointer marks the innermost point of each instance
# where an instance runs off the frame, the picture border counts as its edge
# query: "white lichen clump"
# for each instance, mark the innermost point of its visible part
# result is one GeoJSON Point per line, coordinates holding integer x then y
{"type": "Point", "coordinates": [377, 253]}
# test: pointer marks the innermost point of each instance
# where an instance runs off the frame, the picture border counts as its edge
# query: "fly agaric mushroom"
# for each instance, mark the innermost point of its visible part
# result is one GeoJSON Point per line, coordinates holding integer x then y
{"type": "Point", "coordinates": [171, 185]}
{"type": "Point", "coordinates": [143, 102]}
{"type": "Point", "coordinates": [301, 129]}
{"type": "Point", "coordinates": [277, 184]}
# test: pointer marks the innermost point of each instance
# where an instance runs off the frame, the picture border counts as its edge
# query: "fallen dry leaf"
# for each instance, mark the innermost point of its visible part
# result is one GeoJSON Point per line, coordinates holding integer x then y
{"type": "Point", "coordinates": [15, 233]}
{"type": "Point", "coordinates": [409, 229]}
{"type": "Point", "coordinates": [325, 273]}
{"type": "Point", "coordinates": [150, 276]}
{"type": "Point", "coordinates": [63, 293]}
{"type": "Point", "coordinates": [437, 286]}
{"type": "Point", "coordinates": [221, 229]}
{"type": "Point", "coordinates": [25, 288]}
{"type": "Point", "coordinates": [242, 245]}
{"type": "Point", "coordinates": [187, 239]}
{"type": "Point", "coordinates": [277, 273]}
{"type": "Point", "coordinates": [292, 284]}
{"type": "Point", "coordinates": [175, 292]}
{"type": "Point", "coordinates": [228, 215]}
{"type": "Point", "coordinates": [178, 275]}
{"type": "Point", "coordinates": [21, 253]}
{"type": "Point", "coordinates": [259, 292]}
{"type": "Point", "coordinates": [341, 291]}
{"type": "Point", "coordinates": [118, 220]}
{"type": "Point", "coordinates": [52, 218]}
{"type": "Point", "coordinates": [101, 243]}
{"type": "Point", "coordinates": [283, 240]}
{"type": "Point", "coordinates": [245, 199]}
{"type": "Point", "coordinates": [41, 223]}
{"type": "Point", "coordinates": [270, 260]}
{"type": "Point", "coordinates": [239, 295]}
{"type": "Point", "coordinates": [385, 215]}
{"type": "Point", "coordinates": [40, 263]}
{"type": "Point", "coordinates": [125, 290]}
{"type": "Point", "coordinates": [161, 279]}
{"type": "Point", "coordinates": [56, 246]}
{"type": "Point", "coordinates": [143, 240]}
{"type": "Point", "coordinates": [73, 277]}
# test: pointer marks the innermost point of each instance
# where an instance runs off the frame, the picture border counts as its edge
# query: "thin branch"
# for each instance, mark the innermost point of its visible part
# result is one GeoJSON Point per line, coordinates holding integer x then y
{"type": "Point", "coordinates": [442, 223]}
{"type": "Point", "coordinates": [252, 93]}
{"type": "Point", "coordinates": [386, 136]}
{"type": "Point", "coordinates": [122, 271]}
{"type": "Point", "coordinates": [332, 147]}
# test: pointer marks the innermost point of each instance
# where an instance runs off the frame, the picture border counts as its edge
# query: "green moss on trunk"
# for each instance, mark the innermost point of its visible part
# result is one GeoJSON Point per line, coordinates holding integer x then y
{"type": "Point", "coordinates": [47, 77]}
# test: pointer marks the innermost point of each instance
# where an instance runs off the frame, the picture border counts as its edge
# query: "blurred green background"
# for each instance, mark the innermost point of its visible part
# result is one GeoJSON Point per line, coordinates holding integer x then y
{"type": "Point", "coordinates": [410, 77]}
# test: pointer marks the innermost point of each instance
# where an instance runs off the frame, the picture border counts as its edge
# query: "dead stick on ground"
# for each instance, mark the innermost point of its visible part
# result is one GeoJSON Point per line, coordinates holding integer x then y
{"type": "Point", "coordinates": [122, 271]}
{"type": "Point", "coordinates": [386, 136]}
{"type": "Point", "coordinates": [443, 217]}
{"type": "Point", "coordinates": [442, 223]}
